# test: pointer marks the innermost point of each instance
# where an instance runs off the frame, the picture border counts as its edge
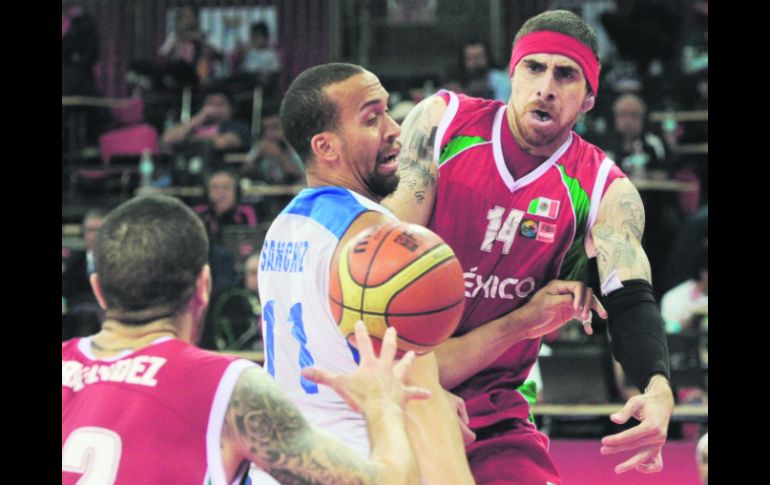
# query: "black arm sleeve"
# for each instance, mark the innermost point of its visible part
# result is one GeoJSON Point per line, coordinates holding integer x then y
{"type": "Point", "coordinates": [637, 335]}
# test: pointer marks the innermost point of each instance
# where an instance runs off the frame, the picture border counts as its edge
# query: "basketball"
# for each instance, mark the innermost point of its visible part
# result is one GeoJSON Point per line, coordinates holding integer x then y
{"type": "Point", "coordinates": [398, 275]}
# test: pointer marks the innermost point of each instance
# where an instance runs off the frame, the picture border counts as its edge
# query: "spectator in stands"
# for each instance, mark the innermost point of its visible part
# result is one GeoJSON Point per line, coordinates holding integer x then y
{"type": "Point", "coordinates": [76, 270]}
{"type": "Point", "coordinates": [223, 207]}
{"type": "Point", "coordinates": [211, 132]}
{"type": "Point", "coordinates": [271, 159]}
{"type": "Point", "coordinates": [685, 307]}
{"type": "Point", "coordinates": [79, 50]}
{"type": "Point", "coordinates": [251, 272]}
{"type": "Point", "coordinates": [636, 150]}
{"type": "Point", "coordinates": [258, 58]}
{"type": "Point", "coordinates": [186, 55]}
{"type": "Point", "coordinates": [478, 78]}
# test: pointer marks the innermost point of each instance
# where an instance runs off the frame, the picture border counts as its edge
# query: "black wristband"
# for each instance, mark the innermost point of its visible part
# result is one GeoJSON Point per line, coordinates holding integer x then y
{"type": "Point", "coordinates": [637, 335]}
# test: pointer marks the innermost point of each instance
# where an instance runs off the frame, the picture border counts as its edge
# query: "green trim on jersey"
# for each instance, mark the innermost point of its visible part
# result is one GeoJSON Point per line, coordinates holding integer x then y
{"type": "Point", "coordinates": [529, 390]}
{"type": "Point", "coordinates": [575, 259]}
{"type": "Point", "coordinates": [458, 144]}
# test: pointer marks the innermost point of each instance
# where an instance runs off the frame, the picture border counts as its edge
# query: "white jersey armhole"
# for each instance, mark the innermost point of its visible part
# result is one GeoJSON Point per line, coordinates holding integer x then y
{"type": "Point", "coordinates": [449, 114]}
{"type": "Point", "coordinates": [596, 198]}
{"type": "Point", "coordinates": [216, 469]}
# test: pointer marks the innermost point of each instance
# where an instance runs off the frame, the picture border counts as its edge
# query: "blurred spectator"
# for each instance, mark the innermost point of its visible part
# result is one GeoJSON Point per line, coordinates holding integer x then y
{"type": "Point", "coordinates": [76, 288]}
{"type": "Point", "coordinates": [223, 207]}
{"type": "Point", "coordinates": [478, 78]}
{"type": "Point", "coordinates": [211, 132]}
{"type": "Point", "coordinates": [233, 322]}
{"type": "Point", "coordinates": [79, 50]}
{"type": "Point", "coordinates": [685, 307]}
{"type": "Point", "coordinates": [257, 58]}
{"type": "Point", "coordinates": [185, 54]}
{"type": "Point", "coordinates": [271, 159]}
{"type": "Point", "coordinates": [636, 150]}
{"type": "Point", "coordinates": [250, 279]}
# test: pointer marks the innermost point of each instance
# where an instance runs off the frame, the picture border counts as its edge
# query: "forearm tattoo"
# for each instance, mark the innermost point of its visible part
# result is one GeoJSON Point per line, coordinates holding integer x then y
{"type": "Point", "coordinates": [280, 440]}
{"type": "Point", "coordinates": [618, 238]}
{"type": "Point", "coordinates": [416, 157]}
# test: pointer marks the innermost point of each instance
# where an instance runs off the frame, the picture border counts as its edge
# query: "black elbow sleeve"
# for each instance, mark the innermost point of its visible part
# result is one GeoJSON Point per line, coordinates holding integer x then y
{"type": "Point", "coordinates": [637, 335]}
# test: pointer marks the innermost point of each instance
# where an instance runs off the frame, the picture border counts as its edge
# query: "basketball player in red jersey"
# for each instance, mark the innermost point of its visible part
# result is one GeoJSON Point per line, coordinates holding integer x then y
{"type": "Point", "coordinates": [523, 200]}
{"type": "Point", "coordinates": [140, 404]}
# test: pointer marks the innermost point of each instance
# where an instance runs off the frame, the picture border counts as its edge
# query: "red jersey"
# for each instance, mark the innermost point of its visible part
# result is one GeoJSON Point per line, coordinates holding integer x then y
{"type": "Point", "coordinates": [512, 236]}
{"type": "Point", "coordinates": [150, 416]}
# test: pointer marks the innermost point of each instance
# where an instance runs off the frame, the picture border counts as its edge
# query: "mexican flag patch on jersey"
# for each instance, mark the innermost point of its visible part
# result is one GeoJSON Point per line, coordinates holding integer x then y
{"type": "Point", "coordinates": [544, 207]}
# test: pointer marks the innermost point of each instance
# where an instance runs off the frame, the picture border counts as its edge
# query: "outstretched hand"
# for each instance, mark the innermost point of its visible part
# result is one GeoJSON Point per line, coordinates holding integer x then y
{"type": "Point", "coordinates": [653, 409]}
{"type": "Point", "coordinates": [376, 381]}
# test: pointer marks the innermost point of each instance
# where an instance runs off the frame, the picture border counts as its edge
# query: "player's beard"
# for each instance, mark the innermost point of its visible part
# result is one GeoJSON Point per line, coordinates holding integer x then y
{"type": "Point", "coordinates": [381, 185]}
{"type": "Point", "coordinates": [532, 137]}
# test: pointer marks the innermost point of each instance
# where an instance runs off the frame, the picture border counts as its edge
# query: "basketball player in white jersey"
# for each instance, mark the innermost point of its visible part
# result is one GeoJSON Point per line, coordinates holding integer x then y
{"type": "Point", "coordinates": [335, 116]}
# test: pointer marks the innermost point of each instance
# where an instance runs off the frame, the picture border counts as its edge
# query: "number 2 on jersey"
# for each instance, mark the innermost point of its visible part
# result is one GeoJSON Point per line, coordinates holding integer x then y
{"type": "Point", "coordinates": [298, 332]}
{"type": "Point", "coordinates": [94, 452]}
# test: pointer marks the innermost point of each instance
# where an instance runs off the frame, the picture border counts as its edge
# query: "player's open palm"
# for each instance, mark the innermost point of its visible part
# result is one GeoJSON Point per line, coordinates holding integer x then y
{"type": "Point", "coordinates": [557, 303]}
{"type": "Point", "coordinates": [378, 381]}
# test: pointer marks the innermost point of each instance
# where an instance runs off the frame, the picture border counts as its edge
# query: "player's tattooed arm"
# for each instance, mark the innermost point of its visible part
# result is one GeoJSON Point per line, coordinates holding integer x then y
{"type": "Point", "coordinates": [414, 198]}
{"type": "Point", "coordinates": [617, 234]}
{"type": "Point", "coordinates": [269, 430]}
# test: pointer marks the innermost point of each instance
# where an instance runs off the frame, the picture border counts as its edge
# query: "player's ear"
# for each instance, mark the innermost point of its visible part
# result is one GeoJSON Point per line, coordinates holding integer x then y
{"type": "Point", "coordinates": [203, 286]}
{"type": "Point", "coordinates": [96, 286]}
{"type": "Point", "coordinates": [324, 146]}
{"type": "Point", "coordinates": [588, 103]}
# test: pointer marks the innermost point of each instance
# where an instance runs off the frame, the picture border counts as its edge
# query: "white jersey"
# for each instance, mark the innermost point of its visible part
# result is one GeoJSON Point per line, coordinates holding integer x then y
{"type": "Point", "coordinates": [297, 324]}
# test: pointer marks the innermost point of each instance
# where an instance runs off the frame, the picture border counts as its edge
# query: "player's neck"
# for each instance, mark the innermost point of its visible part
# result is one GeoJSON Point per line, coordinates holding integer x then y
{"type": "Point", "coordinates": [316, 179]}
{"type": "Point", "coordinates": [116, 337]}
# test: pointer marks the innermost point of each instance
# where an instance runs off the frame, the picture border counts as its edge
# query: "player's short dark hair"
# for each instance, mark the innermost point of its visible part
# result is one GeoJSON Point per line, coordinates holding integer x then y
{"type": "Point", "coordinates": [563, 22]}
{"type": "Point", "coordinates": [306, 110]}
{"type": "Point", "coordinates": [149, 255]}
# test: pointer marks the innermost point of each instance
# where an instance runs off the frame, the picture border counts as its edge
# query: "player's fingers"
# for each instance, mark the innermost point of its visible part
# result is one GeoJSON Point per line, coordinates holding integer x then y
{"type": "Point", "coordinates": [462, 412]}
{"type": "Point", "coordinates": [652, 466]}
{"type": "Point", "coordinates": [585, 309]}
{"type": "Point", "coordinates": [629, 409]}
{"type": "Point", "coordinates": [646, 440]}
{"type": "Point", "coordinates": [404, 364]}
{"type": "Point", "coordinates": [468, 435]}
{"type": "Point", "coordinates": [635, 460]}
{"type": "Point", "coordinates": [417, 393]}
{"type": "Point", "coordinates": [599, 308]}
{"type": "Point", "coordinates": [334, 381]}
{"type": "Point", "coordinates": [587, 327]}
{"type": "Point", "coordinates": [319, 376]}
{"type": "Point", "coordinates": [578, 297]}
{"type": "Point", "coordinates": [363, 342]}
{"type": "Point", "coordinates": [388, 350]}
{"type": "Point", "coordinates": [639, 432]}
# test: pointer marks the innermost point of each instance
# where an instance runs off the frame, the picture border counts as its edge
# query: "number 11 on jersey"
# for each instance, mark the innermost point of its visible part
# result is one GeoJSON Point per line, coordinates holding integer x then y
{"type": "Point", "coordinates": [298, 332]}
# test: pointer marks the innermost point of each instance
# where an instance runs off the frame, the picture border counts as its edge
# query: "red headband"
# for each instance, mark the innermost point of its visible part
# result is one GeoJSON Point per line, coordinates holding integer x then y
{"type": "Point", "coordinates": [547, 42]}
